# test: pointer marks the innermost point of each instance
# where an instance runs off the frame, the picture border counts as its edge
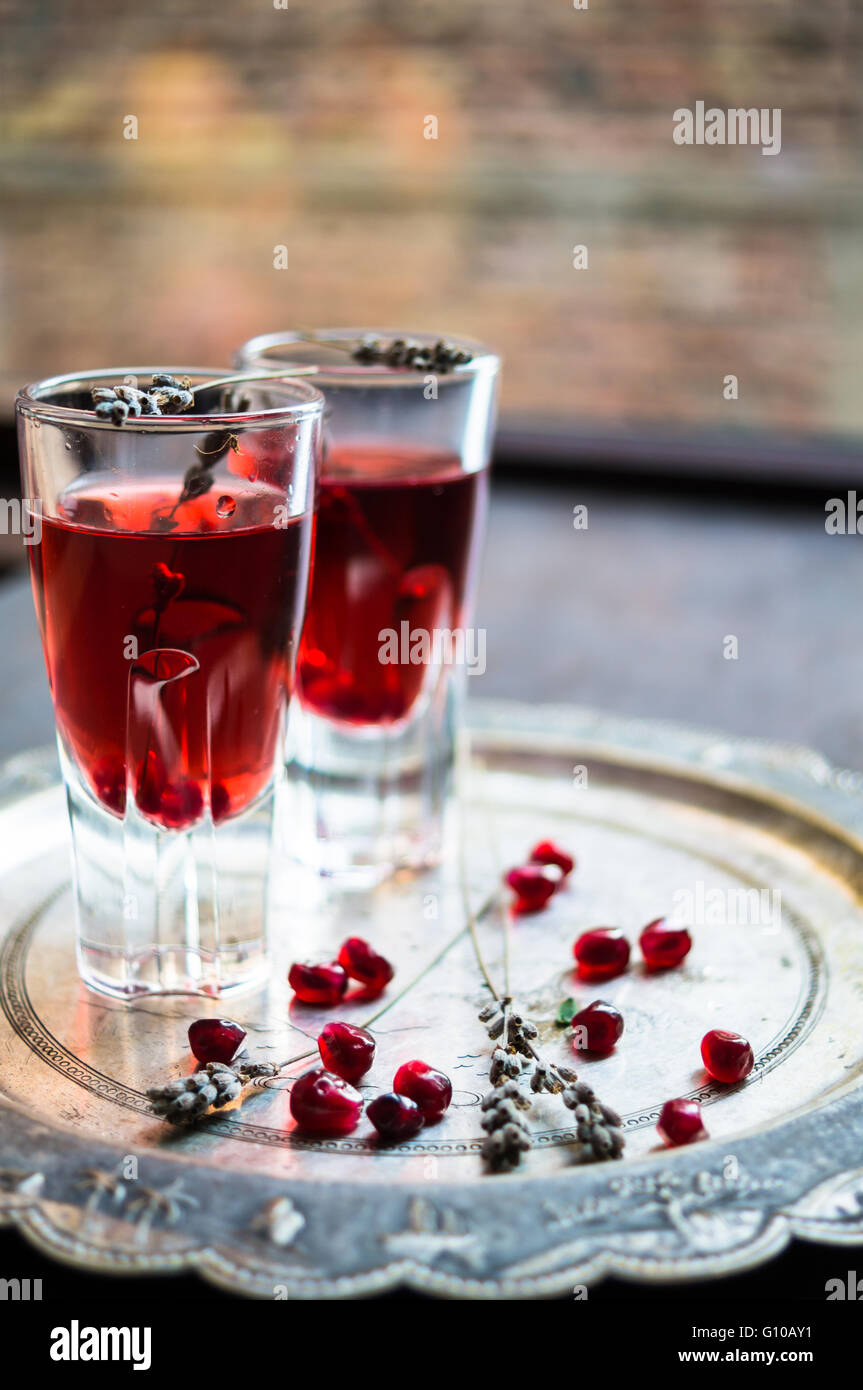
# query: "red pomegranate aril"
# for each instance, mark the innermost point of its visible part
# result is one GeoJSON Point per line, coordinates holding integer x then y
{"type": "Point", "coordinates": [109, 779]}
{"type": "Point", "coordinates": [601, 953]}
{"type": "Point", "coordinates": [220, 801]}
{"type": "Point", "coordinates": [727, 1056]}
{"type": "Point", "coordinates": [364, 964]}
{"type": "Point", "coordinates": [346, 1050]}
{"type": "Point", "coordinates": [395, 1117]}
{"type": "Point", "coordinates": [597, 1027]}
{"type": "Point", "coordinates": [318, 984]}
{"type": "Point", "coordinates": [680, 1122]}
{"type": "Point", "coordinates": [181, 804]}
{"type": "Point", "coordinates": [431, 1089]}
{"type": "Point", "coordinates": [533, 885]}
{"type": "Point", "coordinates": [325, 1103]}
{"type": "Point", "coordinates": [547, 852]}
{"type": "Point", "coordinates": [664, 946]}
{"type": "Point", "coordinates": [215, 1039]}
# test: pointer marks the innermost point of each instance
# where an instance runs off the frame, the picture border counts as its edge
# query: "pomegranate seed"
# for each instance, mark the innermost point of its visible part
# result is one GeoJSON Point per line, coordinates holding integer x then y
{"type": "Point", "coordinates": [395, 1117]}
{"type": "Point", "coordinates": [601, 953]}
{"type": "Point", "coordinates": [182, 803]}
{"type": "Point", "coordinates": [150, 779]}
{"type": "Point", "coordinates": [533, 885]}
{"type": "Point", "coordinates": [364, 964]}
{"type": "Point", "coordinates": [325, 1103]}
{"type": "Point", "coordinates": [109, 781]}
{"type": "Point", "coordinates": [318, 984]}
{"type": "Point", "coordinates": [220, 801]}
{"type": "Point", "coordinates": [346, 1050]}
{"type": "Point", "coordinates": [431, 1089]}
{"type": "Point", "coordinates": [597, 1027]}
{"type": "Point", "coordinates": [174, 804]}
{"type": "Point", "coordinates": [664, 946]}
{"type": "Point", "coordinates": [680, 1122]}
{"type": "Point", "coordinates": [727, 1056]}
{"type": "Point", "coordinates": [547, 852]}
{"type": "Point", "coordinates": [215, 1039]}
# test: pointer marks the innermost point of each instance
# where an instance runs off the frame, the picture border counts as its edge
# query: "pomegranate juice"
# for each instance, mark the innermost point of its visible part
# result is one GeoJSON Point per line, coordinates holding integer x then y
{"type": "Point", "coordinates": [225, 586]}
{"type": "Point", "coordinates": [393, 544]}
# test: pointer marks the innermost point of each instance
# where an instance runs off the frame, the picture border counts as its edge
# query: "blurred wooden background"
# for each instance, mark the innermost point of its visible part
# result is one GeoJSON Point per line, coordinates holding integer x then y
{"type": "Point", "coordinates": [304, 127]}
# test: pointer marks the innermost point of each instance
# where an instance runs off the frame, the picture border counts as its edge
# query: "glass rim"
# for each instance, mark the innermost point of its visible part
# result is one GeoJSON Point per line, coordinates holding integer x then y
{"type": "Point", "coordinates": [483, 360]}
{"type": "Point", "coordinates": [30, 401]}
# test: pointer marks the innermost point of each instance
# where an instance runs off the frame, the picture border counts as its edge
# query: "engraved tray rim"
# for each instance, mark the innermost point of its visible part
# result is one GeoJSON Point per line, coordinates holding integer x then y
{"type": "Point", "coordinates": [655, 1220]}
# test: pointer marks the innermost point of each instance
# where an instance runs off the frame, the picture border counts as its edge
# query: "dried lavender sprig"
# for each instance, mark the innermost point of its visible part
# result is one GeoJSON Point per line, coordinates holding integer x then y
{"type": "Point", "coordinates": [505, 1124]}
{"type": "Point", "coordinates": [505, 1105]}
{"type": "Point", "coordinates": [517, 1035]}
{"type": "Point", "coordinates": [169, 395]}
{"type": "Point", "coordinates": [185, 1100]}
{"type": "Point", "coordinates": [440, 357]}
{"type": "Point", "coordinates": [598, 1127]}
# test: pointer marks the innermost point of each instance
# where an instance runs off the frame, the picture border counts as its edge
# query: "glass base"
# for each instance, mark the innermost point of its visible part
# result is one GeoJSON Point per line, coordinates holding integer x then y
{"type": "Point", "coordinates": [333, 826]}
{"type": "Point", "coordinates": [360, 804]}
{"type": "Point", "coordinates": [172, 971]}
{"type": "Point", "coordinates": [163, 911]}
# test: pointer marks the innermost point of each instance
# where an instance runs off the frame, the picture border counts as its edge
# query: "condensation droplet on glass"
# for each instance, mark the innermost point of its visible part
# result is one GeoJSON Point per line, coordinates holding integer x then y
{"type": "Point", "coordinates": [226, 506]}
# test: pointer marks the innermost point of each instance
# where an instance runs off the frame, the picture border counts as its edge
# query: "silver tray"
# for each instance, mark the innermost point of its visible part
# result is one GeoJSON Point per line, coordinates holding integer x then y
{"type": "Point", "coordinates": [653, 813]}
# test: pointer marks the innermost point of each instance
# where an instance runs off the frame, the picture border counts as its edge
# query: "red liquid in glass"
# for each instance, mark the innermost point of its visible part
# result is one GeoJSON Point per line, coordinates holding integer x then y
{"type": "Point", "coordinates": [393, 544]}
{"type": "Point", "coordinates": [230, 598]}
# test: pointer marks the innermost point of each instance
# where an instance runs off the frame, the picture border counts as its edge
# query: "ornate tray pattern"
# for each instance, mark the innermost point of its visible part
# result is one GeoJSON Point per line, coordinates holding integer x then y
{"type": "Point", "coordinates": [763, 844]}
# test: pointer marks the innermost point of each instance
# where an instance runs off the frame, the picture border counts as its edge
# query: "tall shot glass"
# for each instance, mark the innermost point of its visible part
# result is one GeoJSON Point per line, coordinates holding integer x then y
{"type": "Point", "coordinates": [170, 582]}
{"type": "Point", "coordinates": [387, 638]}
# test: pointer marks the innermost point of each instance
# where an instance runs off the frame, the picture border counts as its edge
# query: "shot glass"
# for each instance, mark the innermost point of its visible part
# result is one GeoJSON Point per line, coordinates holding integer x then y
{"type": "Point", "coordinates": [387, 641]}
{"type": "Point", "coordinates": [170, 581]}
